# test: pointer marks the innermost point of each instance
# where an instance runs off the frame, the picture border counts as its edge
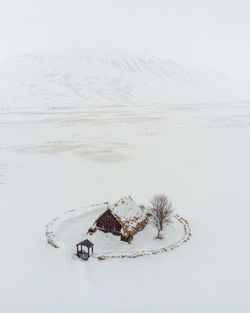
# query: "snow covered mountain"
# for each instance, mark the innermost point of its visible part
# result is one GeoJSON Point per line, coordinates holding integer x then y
{"type": "Point", "coordinates": [79, 81]}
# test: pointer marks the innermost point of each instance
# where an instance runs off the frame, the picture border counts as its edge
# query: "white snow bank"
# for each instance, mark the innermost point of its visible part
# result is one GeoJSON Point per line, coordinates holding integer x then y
{"type": "Point", "coordinates": [50, 228]}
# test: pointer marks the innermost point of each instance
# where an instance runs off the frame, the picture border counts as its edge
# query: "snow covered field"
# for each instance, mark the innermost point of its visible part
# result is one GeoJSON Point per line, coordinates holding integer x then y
{"type": "Point", "coordinates": [51, 166]}
{"type": "Point", "coordinates": [80, 127]}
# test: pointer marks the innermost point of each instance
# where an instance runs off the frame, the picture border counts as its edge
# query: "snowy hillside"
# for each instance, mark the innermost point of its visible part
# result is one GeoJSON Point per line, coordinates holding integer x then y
{"type": "Point", "coordinates": [113, 80]}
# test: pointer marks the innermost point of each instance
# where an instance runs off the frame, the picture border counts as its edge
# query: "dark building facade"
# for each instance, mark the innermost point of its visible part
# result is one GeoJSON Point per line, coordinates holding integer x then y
{"type": "Point", "coordinates": [108, 223]}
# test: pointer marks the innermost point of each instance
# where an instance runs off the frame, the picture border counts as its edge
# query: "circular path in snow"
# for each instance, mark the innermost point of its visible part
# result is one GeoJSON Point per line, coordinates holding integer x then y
{"type": "Point", "coordinates": [72, 226]}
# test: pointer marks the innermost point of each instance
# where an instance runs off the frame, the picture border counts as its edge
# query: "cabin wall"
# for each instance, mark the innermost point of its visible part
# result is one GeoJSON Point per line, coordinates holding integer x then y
{"type": "Point", "coordinates": [109, 224]}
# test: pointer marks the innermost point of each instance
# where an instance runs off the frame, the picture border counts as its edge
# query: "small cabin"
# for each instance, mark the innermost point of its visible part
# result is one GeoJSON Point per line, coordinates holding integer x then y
{"type": "Point", "coordinates": [124, 218]}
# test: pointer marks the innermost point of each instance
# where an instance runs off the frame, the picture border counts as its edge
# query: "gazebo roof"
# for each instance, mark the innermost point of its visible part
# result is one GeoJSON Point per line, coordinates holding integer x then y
{"type": "Point", "coordinates": [86, 243]}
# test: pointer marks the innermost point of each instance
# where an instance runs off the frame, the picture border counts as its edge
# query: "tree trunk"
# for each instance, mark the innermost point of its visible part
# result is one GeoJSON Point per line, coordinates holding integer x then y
{"type": "Point", "coordinates": [158, 234]}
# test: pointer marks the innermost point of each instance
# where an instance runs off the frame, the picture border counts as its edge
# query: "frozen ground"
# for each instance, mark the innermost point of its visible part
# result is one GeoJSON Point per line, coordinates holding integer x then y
{"type": "Point", "coordinates": [69, 139]}
{"type": "Point", "coordinates": [62, 163]}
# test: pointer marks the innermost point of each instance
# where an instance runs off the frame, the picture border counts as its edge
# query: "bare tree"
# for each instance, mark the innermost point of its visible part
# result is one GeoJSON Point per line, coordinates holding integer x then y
{"type": "Point", "coordinates": [161, 212]}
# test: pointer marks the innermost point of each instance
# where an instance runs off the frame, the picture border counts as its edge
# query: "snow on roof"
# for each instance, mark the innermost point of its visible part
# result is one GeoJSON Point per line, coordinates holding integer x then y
{"type": "Point", "coordinates": [129, 215]}
{"type": "Point", "coordinates": [125, 208]}
{"type": "Point", "coordinates": [127, 212]}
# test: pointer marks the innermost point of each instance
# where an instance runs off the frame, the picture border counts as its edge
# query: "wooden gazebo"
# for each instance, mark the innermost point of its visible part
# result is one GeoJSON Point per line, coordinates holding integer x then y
{"type": "Point", "coordinates": [80, 252]}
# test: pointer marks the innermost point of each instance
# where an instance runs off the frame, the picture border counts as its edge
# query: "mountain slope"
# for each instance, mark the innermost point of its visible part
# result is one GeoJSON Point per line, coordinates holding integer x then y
{"type": "Point", "coordinates": [59, 81]}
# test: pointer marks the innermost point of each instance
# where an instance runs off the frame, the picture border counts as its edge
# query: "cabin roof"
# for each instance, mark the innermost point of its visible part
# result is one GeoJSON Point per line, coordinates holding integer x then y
{"type": "Point", "coordinates": [86, 243]}
{"type": "Point", "coordinates": [128, 214]}
{"type": "Point", "coordinates": [127, 211]}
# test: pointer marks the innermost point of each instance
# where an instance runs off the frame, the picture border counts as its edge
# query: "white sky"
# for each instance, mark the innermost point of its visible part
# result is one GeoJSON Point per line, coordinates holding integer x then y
{"type": "Point", "coordinates": [208, 33]}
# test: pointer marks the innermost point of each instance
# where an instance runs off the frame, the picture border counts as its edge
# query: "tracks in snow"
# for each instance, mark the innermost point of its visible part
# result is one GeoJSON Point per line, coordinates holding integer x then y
{"type": "Point", "coordinates": [53, 241]}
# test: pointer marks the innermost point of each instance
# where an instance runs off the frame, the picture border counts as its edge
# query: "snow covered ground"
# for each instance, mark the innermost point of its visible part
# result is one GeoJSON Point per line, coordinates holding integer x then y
{"type": "Point", "coordinates": [53, 165]}
{"type": "Point", "coordinates": [165, 108]}
{"type": "Point", "coordinates": [72, 226]}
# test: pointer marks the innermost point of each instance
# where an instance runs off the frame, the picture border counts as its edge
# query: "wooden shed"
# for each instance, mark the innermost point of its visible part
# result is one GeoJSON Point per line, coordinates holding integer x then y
{"type": "Point", "coordinates": [123, 218]}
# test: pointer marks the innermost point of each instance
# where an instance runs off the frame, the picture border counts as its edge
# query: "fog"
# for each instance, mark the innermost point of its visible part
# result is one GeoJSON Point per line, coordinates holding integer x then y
{"type": "Point", "coordinates": [211, 34]}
